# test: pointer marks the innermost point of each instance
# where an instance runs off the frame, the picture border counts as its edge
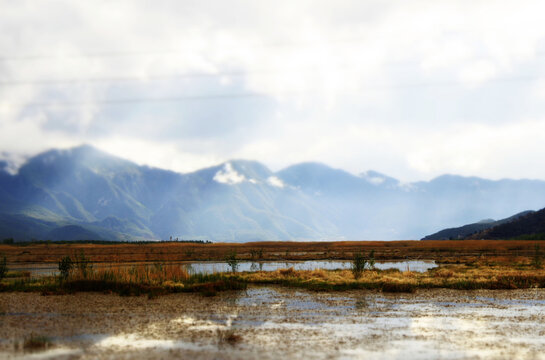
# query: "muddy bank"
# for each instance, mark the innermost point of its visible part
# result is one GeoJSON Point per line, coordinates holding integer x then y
{"type": "Point", "coordinates": [272, 322]}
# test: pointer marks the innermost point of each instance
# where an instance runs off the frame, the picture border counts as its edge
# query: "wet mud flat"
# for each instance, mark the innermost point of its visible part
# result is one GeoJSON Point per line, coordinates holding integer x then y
{"type": "Point", "coordinates": [273, 322]}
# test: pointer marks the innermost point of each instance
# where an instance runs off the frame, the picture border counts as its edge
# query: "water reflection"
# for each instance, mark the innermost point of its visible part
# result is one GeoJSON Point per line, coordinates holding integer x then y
{"type": "Point", "coordinates": [208, 267]}
{"type": "Point", "coordinates": [212, 267]}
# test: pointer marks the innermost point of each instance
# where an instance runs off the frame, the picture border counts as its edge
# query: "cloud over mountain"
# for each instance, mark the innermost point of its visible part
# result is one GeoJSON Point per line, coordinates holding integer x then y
{"type": "Point", "coordinates": [84, 192]}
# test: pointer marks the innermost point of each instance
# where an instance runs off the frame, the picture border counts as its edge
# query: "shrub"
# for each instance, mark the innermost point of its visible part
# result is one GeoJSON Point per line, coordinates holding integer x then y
{"type": "Point", "coordinates": [358, 265]}
{"type": "Point", "coordinates": [3, 267]}
{"type": "Point", "coordinates": [231, 260]}
{"type": "Point", "coordinates": [372, 259]}
{"type": "Point", "coordinates": [65, 267]}
{"type": "Point", "coordinates": [84, 264]}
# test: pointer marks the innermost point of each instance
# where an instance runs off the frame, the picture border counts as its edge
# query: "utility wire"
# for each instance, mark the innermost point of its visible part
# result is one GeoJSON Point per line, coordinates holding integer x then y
{"type": "Point", "coordinates": [205, 97]}
{"type": "Point", "coordinates": [129, 53]}
{"type": "Point", "coordinates": [194, 75]}
{"type": "Point", "coordinates": [167, 77]}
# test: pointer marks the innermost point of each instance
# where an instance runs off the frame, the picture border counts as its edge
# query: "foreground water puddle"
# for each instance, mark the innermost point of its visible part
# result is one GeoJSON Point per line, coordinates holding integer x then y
{"type": "Point", "coordinates": [274, 322]}
{"type": "Point", "coordinates": [57, 353]}
{"type": "Point", "coordinates": [134, 341]}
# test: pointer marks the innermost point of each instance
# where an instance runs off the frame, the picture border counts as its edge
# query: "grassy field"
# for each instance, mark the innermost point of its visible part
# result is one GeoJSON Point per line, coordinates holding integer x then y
{"type": "Point", "coordinates": [440, 251]}
{"type": "Point", "coordinates": [158, 279]}
{"type": "Point", "coordinates": [153, 269]}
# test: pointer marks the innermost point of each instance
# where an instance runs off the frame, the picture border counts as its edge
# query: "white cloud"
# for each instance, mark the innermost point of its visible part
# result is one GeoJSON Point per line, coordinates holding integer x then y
{"type": "Point", "coordinates": [373, 179]}
{"type": "Point", "coordinates": [275, 181]}
{"type": "Point", "coordinates": [229, 176]}
{"type": "Point", "coordinates": [394, 86]}
{"type": "Point", "coordinates": [483, 150]}
{"type": "Point", "coordinates": [478, 72]}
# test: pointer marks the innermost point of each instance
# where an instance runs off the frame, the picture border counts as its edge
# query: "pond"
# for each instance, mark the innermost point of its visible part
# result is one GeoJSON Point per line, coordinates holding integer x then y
{"type": "Point", "coordinates": [211, 267]}
{"type": "Point", "coordinates": [208, 267]}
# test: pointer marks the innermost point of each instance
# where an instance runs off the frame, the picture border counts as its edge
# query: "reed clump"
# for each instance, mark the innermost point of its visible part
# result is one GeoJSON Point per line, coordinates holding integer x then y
{"type": "Point", "coordinates": [451, 277]}
{"type": "Point", "coordinates": [155, 279]}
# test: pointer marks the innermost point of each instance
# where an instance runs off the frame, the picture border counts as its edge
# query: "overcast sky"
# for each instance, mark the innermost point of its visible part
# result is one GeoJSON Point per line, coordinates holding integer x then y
{"type": "Point", "coordinates": [413, 89]}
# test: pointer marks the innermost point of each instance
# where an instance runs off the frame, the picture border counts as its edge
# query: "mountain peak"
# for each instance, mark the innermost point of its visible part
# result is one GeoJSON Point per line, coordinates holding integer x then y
{"type": "Point", "coordinates": [379, 179]}
{"type": "Point", "coordinates": [237, 171]}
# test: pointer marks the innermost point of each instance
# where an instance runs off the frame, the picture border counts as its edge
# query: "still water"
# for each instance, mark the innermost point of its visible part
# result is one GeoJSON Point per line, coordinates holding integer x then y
{"type": "Point", "coordinates": [211, 267]}
{"type": "Point", "coordinates": [208, 267]}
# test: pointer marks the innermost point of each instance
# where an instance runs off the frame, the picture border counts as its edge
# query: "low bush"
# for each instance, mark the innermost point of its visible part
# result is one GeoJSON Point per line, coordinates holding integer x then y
{"type": "Point", "coordinates": [358, 265]}
{"type": "Point", "coordinates": [84, 265]}
{"type": "Point", "coordinates": [231, 260]}
{"type": "Point", "coordinates": [65, 267]}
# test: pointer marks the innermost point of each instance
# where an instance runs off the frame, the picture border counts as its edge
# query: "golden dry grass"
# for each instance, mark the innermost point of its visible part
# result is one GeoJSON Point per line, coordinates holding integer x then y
{"type": "Point", "coordinates": [156, 274]}
{"type": "Point", "coordinates": [451, 276]}
{"type": "Point", "coordinates": [441, 251]}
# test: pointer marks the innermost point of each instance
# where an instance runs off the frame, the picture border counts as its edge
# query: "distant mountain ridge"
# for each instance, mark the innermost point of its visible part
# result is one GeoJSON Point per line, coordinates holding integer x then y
{"type": "Point", "coordinates": [530, 226]}
{"type": "Point", "coordinates": [465, 231]}
{"type": "Point", "coordinates": [83, 192]}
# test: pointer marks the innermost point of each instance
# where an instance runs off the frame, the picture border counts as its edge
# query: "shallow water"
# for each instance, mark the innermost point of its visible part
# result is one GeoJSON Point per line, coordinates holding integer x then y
{"type": "Point", "coordinates": [209, 267]}
{"type": "Point", "coordinates": [274, 323]}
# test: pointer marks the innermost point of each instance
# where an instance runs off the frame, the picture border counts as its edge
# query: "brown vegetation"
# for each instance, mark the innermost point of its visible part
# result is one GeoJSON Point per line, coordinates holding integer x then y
{"type": "Point", "coordinates": [517, 276]}
{"type": "Point", "coordinates": [441, 251]}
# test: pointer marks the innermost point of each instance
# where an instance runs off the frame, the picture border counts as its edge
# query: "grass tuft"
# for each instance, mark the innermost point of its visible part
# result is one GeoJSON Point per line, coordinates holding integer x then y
{"type": "Point", "coordinates": [36, 343]}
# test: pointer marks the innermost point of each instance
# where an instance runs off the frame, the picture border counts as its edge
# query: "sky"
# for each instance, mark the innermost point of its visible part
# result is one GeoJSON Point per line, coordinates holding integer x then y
{"type": "Point", "coordinates": [412, 89]}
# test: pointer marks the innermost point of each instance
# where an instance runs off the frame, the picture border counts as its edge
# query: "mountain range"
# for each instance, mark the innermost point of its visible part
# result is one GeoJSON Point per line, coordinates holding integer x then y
{"type": "Point", "coordinates": [530, 226]}
{"type": "Point", "coordinates": [83, 193]}
{"type": "Point", "coordinates": [474, 229]}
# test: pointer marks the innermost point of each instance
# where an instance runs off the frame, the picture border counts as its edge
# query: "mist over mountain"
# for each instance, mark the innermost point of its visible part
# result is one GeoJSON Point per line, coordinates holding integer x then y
{"type": "Point", "coordinates": [83, 193]}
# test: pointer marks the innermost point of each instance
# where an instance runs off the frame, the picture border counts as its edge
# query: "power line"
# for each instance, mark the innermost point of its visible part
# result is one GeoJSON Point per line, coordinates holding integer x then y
{"type": "Point", "coordinates": [195, 75]}
{"type": "Point", "coordinates": [206, 97]}
{"type": "Point", "coordinates": [119, 79]}
{"type": "Point", "coordinates": [131, 53]}
{"type": "Point", "coordinates": [145, 100]}
{"type": "Point", "coordinates": [166, 77]}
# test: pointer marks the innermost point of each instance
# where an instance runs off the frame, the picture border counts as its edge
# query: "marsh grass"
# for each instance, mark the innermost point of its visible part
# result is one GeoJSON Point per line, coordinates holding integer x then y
{"type": "Point", "coordinates": [153, 280]}
{"type": "Point", "coordinates": [163, 278]}
{"type": "Point", "coordinates": [451, 277]}
{"type": "Point", "coordinates": [37, 343]}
